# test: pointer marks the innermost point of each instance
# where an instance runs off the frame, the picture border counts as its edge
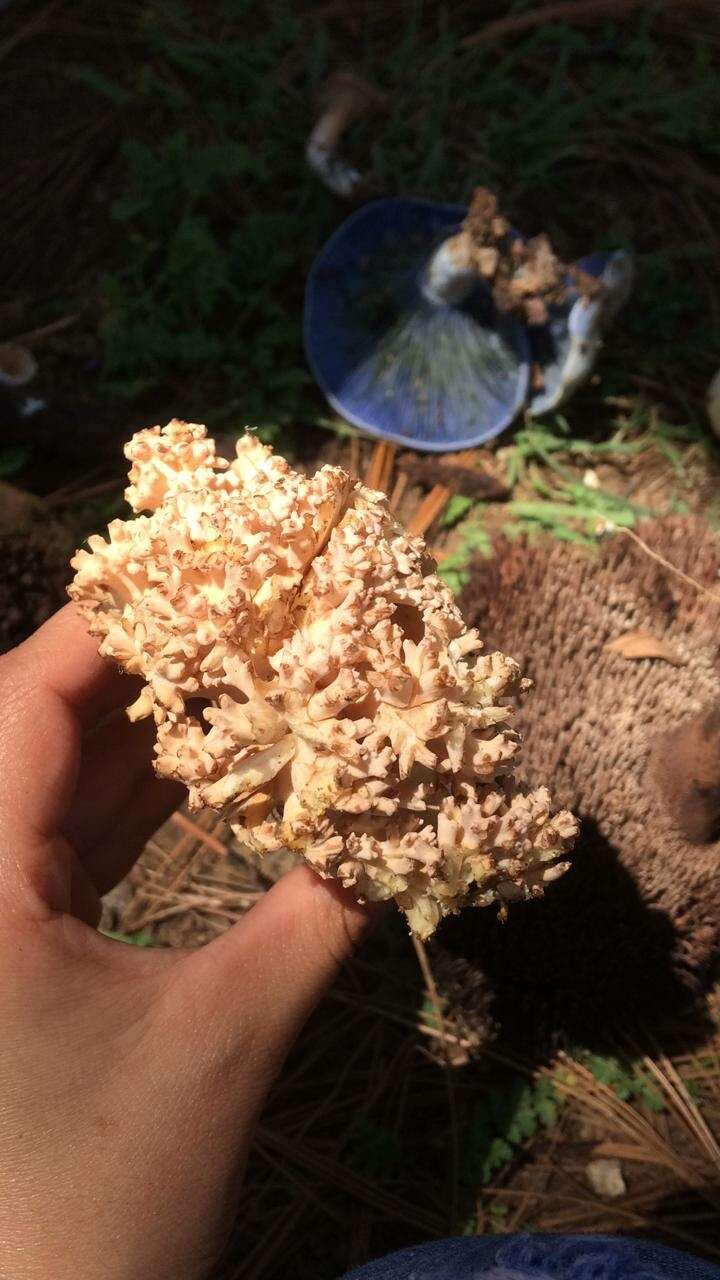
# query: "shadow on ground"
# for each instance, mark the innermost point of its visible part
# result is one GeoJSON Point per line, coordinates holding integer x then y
{"type": "Point", "coordinates": [589, 961]}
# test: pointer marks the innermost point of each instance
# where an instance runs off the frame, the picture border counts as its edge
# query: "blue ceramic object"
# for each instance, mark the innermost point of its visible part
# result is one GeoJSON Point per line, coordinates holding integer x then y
{"type": "Point", "coordinates": [566, 349]}
{"type": "Point", "coordinates": [422, 374]}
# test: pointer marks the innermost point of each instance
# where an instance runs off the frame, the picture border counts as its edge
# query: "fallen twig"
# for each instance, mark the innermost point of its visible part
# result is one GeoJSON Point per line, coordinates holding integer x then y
{"type": "Point", "coordinates": [204, 837]}
{"type": "Point", "coordinates": [387, 470]}
{"type": "Point", "coordinates": [460, 477]}
{"type": "Point", "coordinates": [564, 11]}
{"type": "Point", "coordinates": [429, 510]}
{"type": "Point", "coordinates": [679, 573]}
{"type": "Point", "coordinates": [399, 488]}
{"type": "Point", "coordinates": [380, 466]}
{"type": "Point", "coordinates": [45, 330]}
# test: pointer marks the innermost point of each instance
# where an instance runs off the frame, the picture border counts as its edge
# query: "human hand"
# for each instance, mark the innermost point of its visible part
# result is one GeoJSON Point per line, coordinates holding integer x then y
{"type": "Point", "coordinates": [130, 1080]}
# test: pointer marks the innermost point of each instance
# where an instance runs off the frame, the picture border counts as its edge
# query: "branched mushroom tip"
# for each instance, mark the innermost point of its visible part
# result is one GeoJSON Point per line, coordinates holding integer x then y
{"type": "Point", "coordinates": [312, 678]}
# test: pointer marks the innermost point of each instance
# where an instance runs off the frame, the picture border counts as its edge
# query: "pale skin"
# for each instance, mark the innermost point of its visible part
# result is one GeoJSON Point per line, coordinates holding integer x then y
{"type": "Point", "coordinates": [130, 1080]}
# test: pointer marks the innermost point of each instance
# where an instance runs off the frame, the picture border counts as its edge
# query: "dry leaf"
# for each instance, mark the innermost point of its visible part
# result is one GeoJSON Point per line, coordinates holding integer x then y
{"type": "Point", "coordinates": [641, 644]}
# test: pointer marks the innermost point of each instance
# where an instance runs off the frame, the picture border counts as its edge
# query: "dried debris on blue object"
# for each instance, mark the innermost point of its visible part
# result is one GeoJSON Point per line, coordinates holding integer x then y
{"type": "Point", "coordinates": [567, 347]}
{"type": "Point", "coordinates": [427, 374]}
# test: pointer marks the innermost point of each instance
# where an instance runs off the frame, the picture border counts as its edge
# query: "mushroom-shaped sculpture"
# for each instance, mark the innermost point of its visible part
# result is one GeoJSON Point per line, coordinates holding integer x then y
{"type": "Point", "coordinates": [566, 348]}
{"type": "Point", "coordinates": [422, 320]}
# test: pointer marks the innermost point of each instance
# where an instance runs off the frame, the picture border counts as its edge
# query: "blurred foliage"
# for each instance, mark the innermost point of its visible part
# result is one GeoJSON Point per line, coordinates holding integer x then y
{"type": "Point", "coordinates": [456, 509]}
{"type": "Point", "coordinates": [473, 539]}
{"type": "Point", "coordinates": [13, 459]}
{"type": "Point", "coordinates": [202, 291]}
{"type": "Point", "coordinates": [589, 133]}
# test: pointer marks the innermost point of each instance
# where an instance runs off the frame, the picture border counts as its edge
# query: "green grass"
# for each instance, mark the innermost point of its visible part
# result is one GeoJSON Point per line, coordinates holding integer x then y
{"type": "Point", "coordinates": [543, 467]}
{"type": "Point", "coordinates": [638, 431]}
{"type": "Point", "coordinates": [474, 540]}
{"type": "Point", "coordinates": [142, 939]}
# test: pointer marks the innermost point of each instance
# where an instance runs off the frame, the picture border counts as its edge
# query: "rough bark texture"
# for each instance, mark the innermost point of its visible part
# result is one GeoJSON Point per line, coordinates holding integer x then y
{"type": "Point", "coordinates": [634, 926]}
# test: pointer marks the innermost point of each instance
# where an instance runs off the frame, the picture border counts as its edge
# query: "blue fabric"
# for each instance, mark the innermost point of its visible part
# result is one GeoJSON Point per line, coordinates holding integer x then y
{"type": "Point", "coordinates": [538, 1257]}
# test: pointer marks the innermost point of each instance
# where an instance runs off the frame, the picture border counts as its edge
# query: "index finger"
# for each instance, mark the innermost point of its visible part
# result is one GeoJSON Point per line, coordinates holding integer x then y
{"type": "Point", "coordinates": [62, 658]}
{"type": "Point", "coordinates": [51, 687]}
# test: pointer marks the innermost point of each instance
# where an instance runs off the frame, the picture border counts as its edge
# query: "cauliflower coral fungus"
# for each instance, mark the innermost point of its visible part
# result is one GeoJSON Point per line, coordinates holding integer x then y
{"type": "Point", "coordinates": [312, 678]}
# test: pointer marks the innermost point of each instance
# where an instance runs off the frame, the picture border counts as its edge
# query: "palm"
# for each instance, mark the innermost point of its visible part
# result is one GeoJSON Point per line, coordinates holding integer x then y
{"type": "Point", "coordinates": [129, 1080]}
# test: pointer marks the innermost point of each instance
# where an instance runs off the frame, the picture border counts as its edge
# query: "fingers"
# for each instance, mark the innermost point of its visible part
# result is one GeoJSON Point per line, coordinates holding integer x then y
{"type": "Point", "coordinates": [48, 686]}
{"type": "Point", "coordinates": [62, 658]}
{"type": "Point", "coordinates": [118, 802]}
{"type": "Point", "coordinates": [262, 978]}
{"type": "Point", "coordinates": [115, 851]}
{"type": "Point", "coordinates": [39, 753]}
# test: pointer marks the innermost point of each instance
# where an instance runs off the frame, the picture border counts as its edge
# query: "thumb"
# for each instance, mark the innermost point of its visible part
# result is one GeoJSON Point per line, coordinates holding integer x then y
{"type": "Point", "coordinates": [266, 974]}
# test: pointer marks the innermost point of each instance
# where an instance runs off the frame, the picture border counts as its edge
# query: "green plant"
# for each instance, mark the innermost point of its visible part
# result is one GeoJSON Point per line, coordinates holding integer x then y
{"type": "Point", "coordinates": [505, 1118]}
{"type": "Point", "coordinates": [473, 539]}
{"type": "Point", "coordinates": [544, 442]}
{"type": "Point", "coordinates": [198, 298]}
{"type": "Point", "coordinates": [551, 444]}
{"type": "Point", "coordinates": [574, 512]}
{"type": "Point", "coordinates": [626, 1079]}
{"type": "Point", "coordinates": [209, 285]}
{"type": "Point", "coordinates": [13, 459]}
{"type": "Point", "coordinates": [141, 939]}
{"type": "Point", "coordinates": [456, 510]}
{"type": "Point", "coordinates": [545, 457]}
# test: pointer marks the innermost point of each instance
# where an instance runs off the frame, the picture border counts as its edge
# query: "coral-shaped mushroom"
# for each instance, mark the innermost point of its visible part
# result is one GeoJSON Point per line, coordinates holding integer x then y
{"type": "Point", "coordinates": [348, 712]}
